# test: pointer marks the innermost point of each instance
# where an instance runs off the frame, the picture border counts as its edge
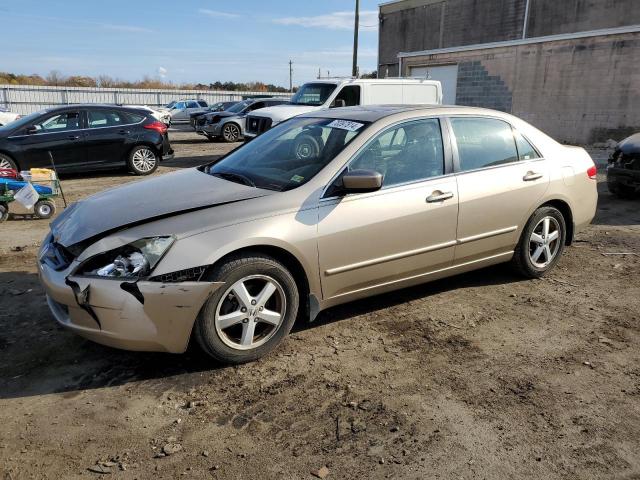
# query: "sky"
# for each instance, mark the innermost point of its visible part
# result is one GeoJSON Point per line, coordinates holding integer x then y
{"type": "Point", "coordinates": [187, 41]}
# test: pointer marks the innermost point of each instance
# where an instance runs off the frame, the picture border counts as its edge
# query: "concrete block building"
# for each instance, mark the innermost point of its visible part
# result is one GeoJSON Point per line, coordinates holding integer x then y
{"type": "Point", "coordinates": [570, 67]}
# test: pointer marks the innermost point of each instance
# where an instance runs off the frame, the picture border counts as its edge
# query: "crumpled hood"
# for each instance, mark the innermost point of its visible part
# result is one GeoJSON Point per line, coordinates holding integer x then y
{"type": "Point", "coordinates": [280, 113]}
{"type": "Point", "coordinates": [220, 115]}
{"type": "Point", "coordinates": [145, 201]}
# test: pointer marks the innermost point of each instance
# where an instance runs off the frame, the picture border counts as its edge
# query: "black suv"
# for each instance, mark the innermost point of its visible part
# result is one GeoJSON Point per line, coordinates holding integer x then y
{"type": "Point", "coordinates": [86, 137]}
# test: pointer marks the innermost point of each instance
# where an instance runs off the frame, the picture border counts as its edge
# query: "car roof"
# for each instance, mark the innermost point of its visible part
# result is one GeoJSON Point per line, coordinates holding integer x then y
{"type": "Point", "coordinates": [373, 113]}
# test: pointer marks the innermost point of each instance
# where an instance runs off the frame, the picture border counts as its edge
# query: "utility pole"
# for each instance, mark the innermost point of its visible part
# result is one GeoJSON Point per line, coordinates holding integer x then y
{"type": "Point", "coordinates": [354, 70]}
{"type": "Point", "coordinates": [290, 76]}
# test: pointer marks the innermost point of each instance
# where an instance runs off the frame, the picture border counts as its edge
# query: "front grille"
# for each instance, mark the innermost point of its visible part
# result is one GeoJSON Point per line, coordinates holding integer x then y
{"type": "Point", "coordinates": [258, 125]}
{"type": "Point", "coordinates": [201, 120]}
{"type": "Point", "coordinates": [188, 275]}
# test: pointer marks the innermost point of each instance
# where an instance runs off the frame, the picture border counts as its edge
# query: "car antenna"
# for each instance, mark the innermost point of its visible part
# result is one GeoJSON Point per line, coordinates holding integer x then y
{"type": "Point", "coordinates": [53, 164]}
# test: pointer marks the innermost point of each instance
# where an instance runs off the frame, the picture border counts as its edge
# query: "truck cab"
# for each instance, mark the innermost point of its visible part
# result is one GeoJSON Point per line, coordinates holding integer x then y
{"type": "Point", "coordinates": [336, 93]}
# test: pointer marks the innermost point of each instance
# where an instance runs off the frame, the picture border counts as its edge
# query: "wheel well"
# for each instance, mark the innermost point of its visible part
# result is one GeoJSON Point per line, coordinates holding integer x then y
{"type": "Point", "coordinates": [144, 144]}
{"type": "Point", "coordinates": [287, 259]}
{"type": "Point", "coordinates": [565, 209]}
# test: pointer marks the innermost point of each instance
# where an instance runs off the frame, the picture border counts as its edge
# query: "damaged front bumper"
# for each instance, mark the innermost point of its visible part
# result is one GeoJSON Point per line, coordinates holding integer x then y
{"type": "Point", "coordinates": [133, 315]}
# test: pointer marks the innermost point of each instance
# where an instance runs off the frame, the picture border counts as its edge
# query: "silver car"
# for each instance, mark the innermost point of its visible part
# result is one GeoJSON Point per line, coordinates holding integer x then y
{"type": "Point", "coordinates": [180, 111]}
{"type": "Point", "coordinates": [229, 125]}
{"type": "Point", "coordinates": [324, 208]}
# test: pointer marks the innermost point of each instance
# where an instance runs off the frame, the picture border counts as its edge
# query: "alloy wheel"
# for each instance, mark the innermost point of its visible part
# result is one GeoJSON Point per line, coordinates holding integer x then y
{"type": "Point", "coordinates": [231, 132]}
{"type": "Point", "coordinates": [4, 163]}
{"type": "Point", "coordinates": [544, 242]}
{"type": "Point", "coordinates": [250, 312]}
{"type": "Point", "coordinates": [144, 160]}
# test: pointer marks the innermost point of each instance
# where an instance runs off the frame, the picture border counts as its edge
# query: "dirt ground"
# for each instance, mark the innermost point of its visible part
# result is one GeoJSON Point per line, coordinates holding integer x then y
{"type": "Point", "coordinates": [483, 375]}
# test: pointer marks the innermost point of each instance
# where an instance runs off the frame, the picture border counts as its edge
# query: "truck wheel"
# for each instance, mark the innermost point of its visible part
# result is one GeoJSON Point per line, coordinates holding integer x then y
{"type": "Point", "coordinates": [44, 209]}
{"type": "Point", "coordinates": [143, 160]}
{"type": "Point", "coordinates": [307, 146]}
{"type": "Point", "coordinates": [4, 212]}
{"type": "Point", "coordinates": [251, 313]}
{"type": "Point", "coordinates": [7, 162]}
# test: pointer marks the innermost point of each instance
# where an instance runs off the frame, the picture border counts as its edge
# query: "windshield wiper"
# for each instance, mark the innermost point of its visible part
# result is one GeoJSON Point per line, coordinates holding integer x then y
{"type": "Point", "coordinates": [235, 177]}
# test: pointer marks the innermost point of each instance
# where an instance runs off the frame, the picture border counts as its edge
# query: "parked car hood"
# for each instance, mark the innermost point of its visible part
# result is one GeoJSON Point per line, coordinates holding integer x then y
{"type": "Point", "coordinates": [141, 202]}
{"type": "Point", "coordinates": [280, 113]}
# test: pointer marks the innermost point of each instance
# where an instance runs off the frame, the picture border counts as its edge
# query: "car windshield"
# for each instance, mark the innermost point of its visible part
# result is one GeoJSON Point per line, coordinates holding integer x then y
{"type": "Point", "coordinates": [23, 121]}
{"type": "Point", "coordinates": [289, 154]}
{"type": "Point", "coordinates": [238, 107]}
{"type": "Point", "coordinates": [313, 94]}
{"type": "Point", "coordinates": [170, 105]}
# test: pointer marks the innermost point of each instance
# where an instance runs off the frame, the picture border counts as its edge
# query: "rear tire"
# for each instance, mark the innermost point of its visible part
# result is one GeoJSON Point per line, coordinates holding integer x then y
{"type": "Point", "coordinates": [44, 209]}
{"type": "Point", "coordinates": [229, 327]}
{"type": "Point", "coordinates": [7, 162]}
{"type": "Point", "coordinates": [541, 243]}
{"type": "Point", "coordinates": [143, 160]}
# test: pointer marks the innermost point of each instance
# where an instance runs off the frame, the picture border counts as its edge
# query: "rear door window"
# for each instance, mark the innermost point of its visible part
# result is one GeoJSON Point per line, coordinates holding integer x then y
{"type": "Point", "coordinates": [483, 142]}
{"type": "Point", "coordinates": [106, 118]}
{"type": "Point", "coordinates": [526, 151]}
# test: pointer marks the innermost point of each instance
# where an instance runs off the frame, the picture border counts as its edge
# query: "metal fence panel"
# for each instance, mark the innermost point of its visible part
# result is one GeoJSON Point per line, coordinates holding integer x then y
{"type": "Point", "coordinates": [25, 99]}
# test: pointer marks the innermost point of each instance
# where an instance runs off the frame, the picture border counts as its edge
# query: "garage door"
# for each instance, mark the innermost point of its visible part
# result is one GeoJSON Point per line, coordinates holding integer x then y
{"type": "Point", "coordinates": [446, 74]}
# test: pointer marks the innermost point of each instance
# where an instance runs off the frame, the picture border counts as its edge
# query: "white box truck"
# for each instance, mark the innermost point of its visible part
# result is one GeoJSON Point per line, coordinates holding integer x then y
{"type": "Point", "coordinates": [336, 93]}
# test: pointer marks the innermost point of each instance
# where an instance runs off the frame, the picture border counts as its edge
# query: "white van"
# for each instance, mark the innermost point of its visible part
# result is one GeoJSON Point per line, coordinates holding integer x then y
{"type": "Point", "coordinates": [331, 93]}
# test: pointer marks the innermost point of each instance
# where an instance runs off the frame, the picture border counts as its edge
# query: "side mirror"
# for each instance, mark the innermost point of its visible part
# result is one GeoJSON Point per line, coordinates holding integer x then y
{"type": "Point", "coordinates": [338, 103]}
{"type": "Point", "coordinates": [360, 181]}
{"type": "Point", "coordinates": [31, 130]}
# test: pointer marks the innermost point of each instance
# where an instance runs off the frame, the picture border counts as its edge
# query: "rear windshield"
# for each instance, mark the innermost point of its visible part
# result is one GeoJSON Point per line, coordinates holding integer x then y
{"type": "Point", "coordinates": [289, 154]}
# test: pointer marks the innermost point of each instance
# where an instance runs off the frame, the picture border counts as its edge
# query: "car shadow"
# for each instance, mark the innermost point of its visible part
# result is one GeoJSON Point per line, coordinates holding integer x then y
{"type": "Point", "coordinates": [38, 357]}
{"type": "Point", "coordinates": [495, 275]}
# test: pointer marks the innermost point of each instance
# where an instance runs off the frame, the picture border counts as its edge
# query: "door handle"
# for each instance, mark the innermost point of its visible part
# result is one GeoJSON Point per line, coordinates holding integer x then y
{"type": "Point", "coordinates": [439, 196]}
{"type": "Point", "coordinates": [123, 132]}
{"type": "Point", "coordinates": [531, 176]}
{"type": "Point", "coordinates": [74, 137]}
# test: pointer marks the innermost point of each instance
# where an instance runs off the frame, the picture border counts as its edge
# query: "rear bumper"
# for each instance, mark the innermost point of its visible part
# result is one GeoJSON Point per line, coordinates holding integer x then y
{"type": "Point", "coordinates": [159, 317]}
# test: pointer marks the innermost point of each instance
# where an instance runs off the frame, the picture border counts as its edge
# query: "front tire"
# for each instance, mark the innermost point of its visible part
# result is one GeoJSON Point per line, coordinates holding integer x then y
{"type": "Point", "coordinates": [251, 313]}
{"type": "Point", "coordinates": [7, 162]}
{"type": "Point", "coordinates": [541, 243]}
{"type": "Point", "coordinates": [143, 160]}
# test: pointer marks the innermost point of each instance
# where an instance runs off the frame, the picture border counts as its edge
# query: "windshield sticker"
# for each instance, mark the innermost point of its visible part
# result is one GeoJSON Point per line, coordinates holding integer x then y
{"type": "Point", "coordinates": [346, 125]}
{"type": "Point", "coordinates": [297, 178]}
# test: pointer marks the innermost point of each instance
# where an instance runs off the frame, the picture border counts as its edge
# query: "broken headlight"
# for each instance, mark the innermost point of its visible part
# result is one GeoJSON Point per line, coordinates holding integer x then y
{"type": "Point", "coordinates": [134, 260]}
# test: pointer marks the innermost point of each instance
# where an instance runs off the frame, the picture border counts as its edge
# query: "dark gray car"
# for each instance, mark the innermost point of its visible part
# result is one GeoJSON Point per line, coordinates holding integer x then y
{"type": "Point", "coordinates": [229, 125]}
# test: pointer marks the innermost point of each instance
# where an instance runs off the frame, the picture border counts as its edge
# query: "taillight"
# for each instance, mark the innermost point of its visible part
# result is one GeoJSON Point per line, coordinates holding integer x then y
{"type": "Point", "coordinates": [157, 126]}
{"type": "Point", "coordinates": [592, 173]}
